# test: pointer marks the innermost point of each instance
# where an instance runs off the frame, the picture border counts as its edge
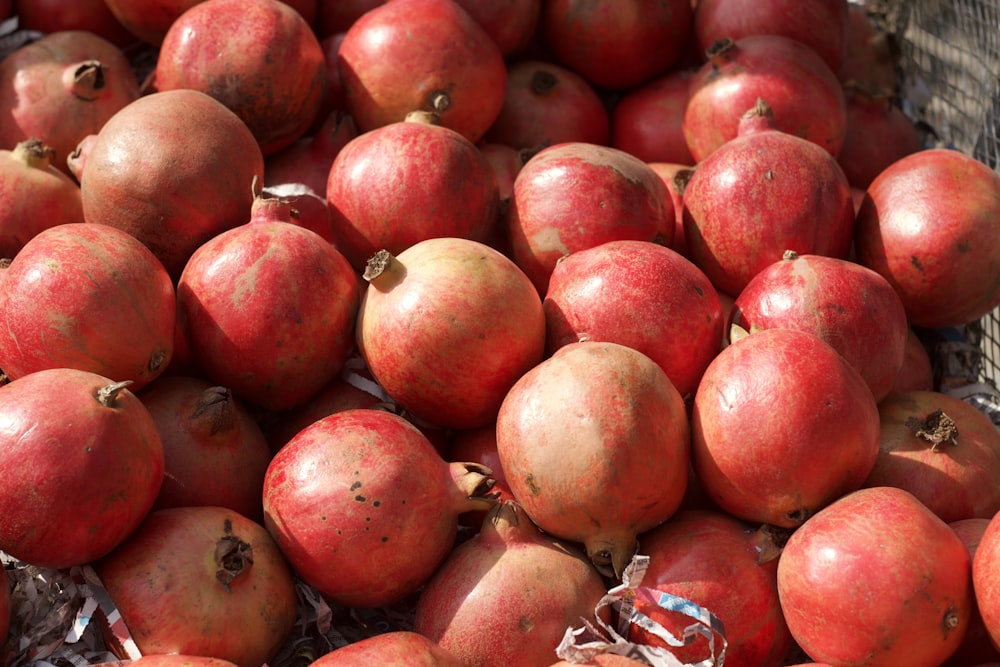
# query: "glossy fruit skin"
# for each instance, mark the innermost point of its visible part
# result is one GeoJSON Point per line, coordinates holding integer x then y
{"type": "Point", "coordinates": [782, 426]}
{"type": "Point", "coordinates": [648, 121]}
{"type": "Point", "coordinates": [89, 297]}
{"type": "Point", "coordinates": [928, 224]}
{"type": "Point", "coordinates": [179, 137]}
{"type": "Point", "coordinates": [625, 440]}
{"type": "Point", "coordinates": [427, 55]}
{"type": "Point", "coordinates": [89, 471]}
{"type": "Point", "coordinates": [394, 648]}
{"type": "Point", "coordinates": [480, 327]}
{"type": "Point", "coordinates": [189, 574]}
{"type": "Point", "coordinates": [911, 597]}
{"type": "Point", "coordinates": [849, 306]}
{"type": "Point", "coordinates": [639, 294]}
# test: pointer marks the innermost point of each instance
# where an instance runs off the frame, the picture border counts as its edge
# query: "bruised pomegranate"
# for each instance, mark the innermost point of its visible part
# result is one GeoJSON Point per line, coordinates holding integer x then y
{"type": "Point", "coordinates": [782, 425]}
{"type": "Point", "coordinates": [928, 223]}
{"type": "Point", "coordinates": [367, 482]}
{"type": "Point", "coordinates": [506, 596]}
{"type": "Point", "coordinates": [762, 193]}
{"type": "Point", "coordinates": [613, 466]}
{"type": "Point", "coordinates": [188, 577]}
{"type": "Point", "coordinates": [910, 598]}
{"type": "Point", "coordinates": [88, 461]}
{"type": "Point", "coordinates": [394, 648]}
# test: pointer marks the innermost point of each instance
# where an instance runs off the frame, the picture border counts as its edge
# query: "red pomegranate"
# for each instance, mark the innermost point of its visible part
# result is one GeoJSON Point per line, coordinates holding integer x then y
{"type": "Point", "coordinates": [620, 45]}
{"type": "Point", "coordinates": [480, 327]}
{"type": "Point", "coordinates": [849, 306]}
{"type": "Point", "coordinates": [188, 576]}
{"type": "Point", "coordinates": [149, 20]}
{"type": "Point", "coordinates": [393, 648]}
{"type": "Point", "coordinates": [89, 464]}
{"type": "Point", "coordinates": [928, 223]}
{"type": "Point", "coordinates": [985, 579]}
{"type": "Point", "coordinates": [917, 371]}
{"type": "Point", "coordinates": [507, 595]}
{"type": "Point", "coordinates": [281, 274]}
{"type": "Point", "coordinates": [909, 601]}
{"type": "Point", "coordinates": [89, 297]}
{"type": "Point", "coordinates": [639, 294]}
{"type": "Point", "coordinates": [648, 121]}
{"type": "Point", "coordinates": [405, 182]}
{"type": "Point", "coordinates": [782, 425]}
{"type": "Point", "coordinates": [5, 609]}
{"type": "Point", "coordinates": [546, 104]}
{"type": "Point", "coordinates": [48, 16]}
{"type": "Point", "coordinates": [198, 163]}
{"type": "Point", "coordinates": [943, 451]}
{"type": "Point", "coordinates": [878, 133]}
{"type": "Point", "coordinates": [34, 195]}
{"type": "Point", "coordinates": [807, 98]}
{"type": "Point", "coordinates": [764, 192]}
{"type": "Point", "coordinates": [512, 25]}
{"type": "Point", "coordinates": [576, 195]}
{"type": "Point", "coordinates": [178, 660]}
{"type": "Point", "coordinates": [977, 648]}
{"type": "Point", "coordinates": [613, 466]}
{"type": "Point", "coordinates": [308, 160]}
{"type": "Point", "coordinates": [367, 482]}
{"type": "Point", "coordinates": [260, 58]}
{"type": "Point", "coordinates": [61, 88]}
{"type": "Point", "coordinates": [479, 445]}
{"type": "Point", "coordinates": [338, 15]}
{"type": "Point", "coordinates": [675, 176]}
{"type": "Point", "coordinates": [428, 55]}
{"type": "Point", "coordinates": [868, 58]}
{"type": "Point", "coordinates": [711, 559]}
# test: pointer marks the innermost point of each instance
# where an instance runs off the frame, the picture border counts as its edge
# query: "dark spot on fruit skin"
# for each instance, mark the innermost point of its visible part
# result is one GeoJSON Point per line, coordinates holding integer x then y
{"type": "Point", "coordinates": [355, 486]}
{"type": "Point", "coordinates": [964, 247]}
{"type": "Point", "coordinates": [530, 481]}
{"type": "Point", "coordinates": [916, 263]}
{"type": "Point", "coordinates": [525, 624]}
{"type": "Point", "coordinates": [359, 498]}
{"type": "Point", "coordinates": [376, 503]}
{"type": "Point", "coordinates": [385, 538]}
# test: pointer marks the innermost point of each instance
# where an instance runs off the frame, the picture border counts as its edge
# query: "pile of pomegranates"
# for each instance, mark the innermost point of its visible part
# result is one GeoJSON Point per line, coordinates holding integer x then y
{"type": "Point", "coordinates": [576, 332]}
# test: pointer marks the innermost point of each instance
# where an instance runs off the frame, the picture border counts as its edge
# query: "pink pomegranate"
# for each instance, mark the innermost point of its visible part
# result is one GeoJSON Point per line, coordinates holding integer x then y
{"type": "Point", "coordinates": [546, 104]}
{"type": "Point", "coordinates": [61, 88]}
{"type": "Point", "coordinates": [928, 224]}
{"type": "Point", "coordinates": [428, 55]}
{"type": "Point", "coordinates": [806, 96]}
{"type": "Point", "coordinates": [89, 462]}
{"type": "Point", "coordinates": [878, 133]}
{"type": "Point", "coordinates": [281, 274]}
{"type": "Point", "coordinates": [943, 451]}
{"type": "Point", "coordinates": [782, 425]}
{"type": "Point", "coordinates": [526, 586]}
{"type": "Point", "coordinates": [260, 58]}
{"type": "Point", "coordinates": [405, 182]}
{"type": "Point", "coordinates": [764, 192]}
{"type": "Point", "coordinates": [576, 195]}
{"type": "Point", "coordinates": [625, 443]}
{"type": "Point", "coordinates": [198, 163]}
{"type": "Point", "coordinates": [367, 482]}
{"type": "Point", "coordinates": [394, 648]}
{"type": "Point", "coordinates": [909, 601]}
{"type": "Point", "coordinates": [849, 306]}
{"type": "Point", "coordinates": [648, 121]}
{"type": "Point", "coordinates": [480, 327]}
{"type": "Point", "coordinates": [89, 297]}
{"type": "Point", "coordinates": [639, 294]}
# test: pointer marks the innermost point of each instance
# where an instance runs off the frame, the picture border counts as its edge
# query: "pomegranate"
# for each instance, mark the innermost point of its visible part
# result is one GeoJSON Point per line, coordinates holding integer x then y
{"type": "Point", "coordinates": [215, 452]}
{"type": "Point", "coordinates": [928, 224]}
{"type": "Point", "coordinates": [675, 176]}
{"type": "Point", "coordinates": [868, 57]}
{"type": "Point", "coordinates": [506, 162]}
{"type": "Point", "coordinates": [178, 660]}
{"type": "Point", "coordinates": [917, 372]}
{"type": "Point", "coordinates": [338, 15]}
{"type": "Point", "coordinates": [648, 121]}
{"type": "Point", "coordinates": [405, 182]}
{"type": "Point", "coordinates": [766, 191]}
{"type": "Point", "coordinates": [821, 25]}
{"type": "Point", "coordinates": [393, 648]}
{"type": "Point", "coordinates": [878, 133]}
{"type": "Point", "coordinates": [478, 327]}
{"type": "Point", "coordinates": [909, 598]}
{"type": "Point", "coordinates": [617, 46]}
{"type": "Point", "coordinates": [639, 294]}
{"type": "Point", "coordinates": [942, 450]}
{"type": "Point", "coordinates": [5, 609]}
{"type": "Point", "coordinates": [48, 16]}
{"type": "Point", "coordinates": [260, 58]}
{"type": "Point", "coordinates": [367, 482]}
{"type": "Point", "coordinates": [849, 306]}
{"type": "Point", "coordinates": [512, 25]}
{"type": "Point", "coordinates": [61, 88]}
{"type": "Point", "coordinates": [428, 55]}
{"type": "Point", "coordinates": [188, 577]}
{"type": "Point", "coordinates": [546, 104]}
{"type": "Point", "coordinates": [626, 442]}
{"type": "Point", "coordinates": [604, 660]}
{"type": "Point", "coordinates": [309, 159]}
{"type": "Point", "coordinates": [148, 20]}
{"type": "Point", "coordinates": [89, 464]}
{"type": "Point", "coordinates": [198, 161]}
{"type": "Point", "coordinates": [782, 425]}
{"type": "Point", "coordinates": [527, 586]}
{"type": "Point", "coordinates": [985, 579]}
{"type": "Point", "coordinates": [712, 559]}
{"type": "Point", "coordinates": [807, 98]}
{"type": "Point", "coordinates": [977, 647]}
{"type": "Point", "coordinates": [88, 297]}
{"type": "Point", "coordinates": [576, 195]}
{"type": "Point", "coordinates": [479, 445]}
{"type": "Point", "coordinates": [285, 275]}
{"type": "Point", "coordinates": [34, 195]}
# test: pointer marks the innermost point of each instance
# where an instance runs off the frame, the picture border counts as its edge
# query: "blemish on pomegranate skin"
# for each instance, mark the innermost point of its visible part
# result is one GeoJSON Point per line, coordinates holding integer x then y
{"type": "Point", "coordinates": [525, 624]}
{"type": "Point", "coordinates": [359, 498]}
{"type": "Point", "coordinates": [530, 481]}
{"type": "Point", "coordinates": [916, 263]}
{"type": "Point", "coordinates": [355, 486]}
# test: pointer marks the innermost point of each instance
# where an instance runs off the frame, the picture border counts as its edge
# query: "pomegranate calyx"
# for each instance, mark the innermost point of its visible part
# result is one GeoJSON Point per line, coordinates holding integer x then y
{"type": "Point", "coordinates": [233, 556]}
{"type": "Point", "coordinates": [156, 361]}
{"type": "Point", "coordinates": [107, 394]}
{"type": "Point", "coordinates": [474, 482]}
{"type": "Point", "coordinates": [769, 541]}
{"type": "Point", "coordinates": [88, 80]}
{"type": "Point", "coordinates": [424, 117]}
{"type": "Point", "coordinates": [216, 405]}
{"type": "Point", "coordinates": [384, 271]}
{"type": "Point", "coordinates": [936, 428]}
{"type": "Point", "coordinates": [720, 51]}
{"type": "Point", "coordinates": [543, 82]}
{"type": "Point", "coordinates": [439, 101]}
{"type": "Point", "coordinates": [610, 554]}
{"type": "Point", "coordinates": [34, 153]}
